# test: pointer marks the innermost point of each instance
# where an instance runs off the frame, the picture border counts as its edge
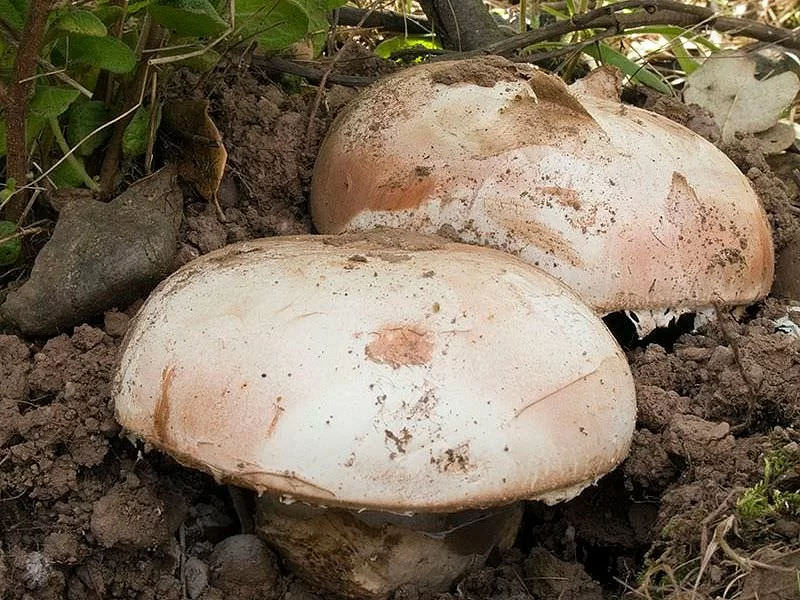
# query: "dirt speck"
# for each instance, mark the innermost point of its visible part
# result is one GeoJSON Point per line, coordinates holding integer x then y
{"type": "Point", "coordinates": [401, 346]}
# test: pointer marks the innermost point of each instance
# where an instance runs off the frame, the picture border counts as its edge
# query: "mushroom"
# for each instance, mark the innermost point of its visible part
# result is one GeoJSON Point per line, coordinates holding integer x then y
{"type": "Point", "coordinates": [392, 397]}
{"type": "Point", "coordinates": [630, 209]}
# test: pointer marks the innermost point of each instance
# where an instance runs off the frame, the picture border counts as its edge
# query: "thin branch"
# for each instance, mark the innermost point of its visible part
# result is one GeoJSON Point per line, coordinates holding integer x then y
{"type": "Point", "coordinates": [19, 92]}
{"type": "Point", "coordinates": [276, 64]}
{"type": "Point", "coordinates": [151, 37]}
{"type": "Point", "coordinates": [60, 74]}
{"type": "Point", "coordinates": [651, 12]}
{"type": "Point", "coordinates": [387, 20]}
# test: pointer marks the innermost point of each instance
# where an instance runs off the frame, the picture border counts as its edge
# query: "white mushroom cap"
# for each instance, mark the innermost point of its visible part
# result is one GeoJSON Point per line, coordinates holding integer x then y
{"type": "Point", "coordinates": [628, 208]}
{"type": "Point", "coordinates": [386, 370]}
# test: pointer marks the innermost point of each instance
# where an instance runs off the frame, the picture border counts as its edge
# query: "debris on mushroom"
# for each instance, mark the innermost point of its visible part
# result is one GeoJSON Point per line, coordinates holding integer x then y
{"type": "Point", "coordinates": [626, 207]}
{"type": "Point", "coordinates": [391, 395]}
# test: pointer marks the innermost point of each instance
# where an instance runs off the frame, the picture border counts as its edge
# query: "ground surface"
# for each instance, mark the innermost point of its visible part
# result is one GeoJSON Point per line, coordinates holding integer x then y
{"type": "Point", "coordinates": [85, 515]}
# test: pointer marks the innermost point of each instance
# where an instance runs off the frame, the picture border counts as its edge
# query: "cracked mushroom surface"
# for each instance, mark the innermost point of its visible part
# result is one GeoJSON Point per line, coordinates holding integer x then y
{"type": "Point", "coordinates": [385, 372]}
{"type": "Point", "coordinates": [630, 209]}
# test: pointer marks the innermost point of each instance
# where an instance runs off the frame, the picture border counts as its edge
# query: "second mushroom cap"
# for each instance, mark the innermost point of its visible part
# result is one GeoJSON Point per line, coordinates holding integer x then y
{"type": "Point", "coordinates": [629, 209]}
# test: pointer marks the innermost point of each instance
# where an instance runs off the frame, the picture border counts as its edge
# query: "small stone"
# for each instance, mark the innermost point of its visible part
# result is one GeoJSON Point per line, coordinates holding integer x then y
{"type": "Point", "coordinates": [213, 523]}
{"type": "Point", "coordinates": [195, 573]}
{"type": "Point", "coordinates": [33, 569]}
{"type": "Point", "coordinates": [242, 560]}
{"type": "Point", "coordinates": [115, 323]}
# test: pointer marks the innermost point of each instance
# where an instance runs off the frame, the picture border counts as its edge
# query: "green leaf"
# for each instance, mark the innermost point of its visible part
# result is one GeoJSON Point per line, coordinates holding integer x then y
{"type": "Point", "coordinates": [134, 140]}
{"type": "Point", "coordinates": [673, 30]}
{"type": "Point", "coordinates": [134, 7]}
{"type": "Point", "coordinates": [276, 24]}
{"type": "Point", "coordinates": [196, 18]}
{"type": "Point", "coordinates": [82, 22]}
{"type": "Point", "coordinates": [83, 118]}
{"type": "Point", "coordinates": [636, 72]}
{"type": "Point", "coordinates": [317, 13]}
{"type": "Point", "coordinates": [107, 53]}
{"type": "Point", "coordinates": [33, 126]}
{"type": "Point", "coordinates": [108, 13]}
{"type": "Point", "coordinates": [685, 60]}
{"type": "Point", "coordinates": [331, 4]}
{"type": "Point", "coordinates": [199, 63]}
{"type": "Point", "coordinates": [49, 101]}
{"type": "Point", "coordinates": [557, 14]}
{"type": "Point", "coordinates": [388, 47]}
{"type": "Point", "coordinates": [10, 249]}
{"type": "Point", "coordinates": [14, 13]}
{"type": "Point", "coordinates": [68, 174]}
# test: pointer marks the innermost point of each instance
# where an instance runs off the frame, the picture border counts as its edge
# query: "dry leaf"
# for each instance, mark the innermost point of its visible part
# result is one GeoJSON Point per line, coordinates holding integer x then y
{"type": "Point", "coordinates": [726, 86]}
{"type": "Point", "coordinates": [202, 156]}
{"type": "Point", "coordinates": [777, 138]}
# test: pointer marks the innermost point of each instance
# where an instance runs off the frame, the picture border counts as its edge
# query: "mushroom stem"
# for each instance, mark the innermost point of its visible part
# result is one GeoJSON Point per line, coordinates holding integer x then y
{"type": "Point", "coordinates": [367, 555]}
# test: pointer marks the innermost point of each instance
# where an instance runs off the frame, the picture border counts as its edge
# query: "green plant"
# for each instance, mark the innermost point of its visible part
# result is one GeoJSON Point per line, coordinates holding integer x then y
{"type": "Point", "coordinates": [630, 51]}
{"type": "Point", "coordinates": [10, 242]}
{"type": "Point", "coordinates": [80, 81]}
{"type": "Point", "coordinates": [765, 499]}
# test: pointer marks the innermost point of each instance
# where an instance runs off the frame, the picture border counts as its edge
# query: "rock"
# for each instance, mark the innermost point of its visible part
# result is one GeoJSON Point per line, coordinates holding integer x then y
{"type": "Point", "coordinates": [787, 528]}
{"type": "Point", "coordinates": [195, 573]}
{"type": "Point", "coordinates": [115, 323]}
{"type": "Point", "coordinates": [242, 560]}
{"type": "Point", "coordinates": [100, 256]}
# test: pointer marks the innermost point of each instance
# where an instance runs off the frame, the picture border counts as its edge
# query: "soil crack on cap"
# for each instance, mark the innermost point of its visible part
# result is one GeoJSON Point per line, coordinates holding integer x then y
{"type": "Point", "coordinates": [560, 389]}
{"type": "Point", "coordinates": [400, 345]}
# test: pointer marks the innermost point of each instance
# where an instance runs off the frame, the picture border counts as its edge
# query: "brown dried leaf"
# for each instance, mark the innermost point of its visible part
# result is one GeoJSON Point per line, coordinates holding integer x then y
{"type": "Point", "coordinates": [201, 156]}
